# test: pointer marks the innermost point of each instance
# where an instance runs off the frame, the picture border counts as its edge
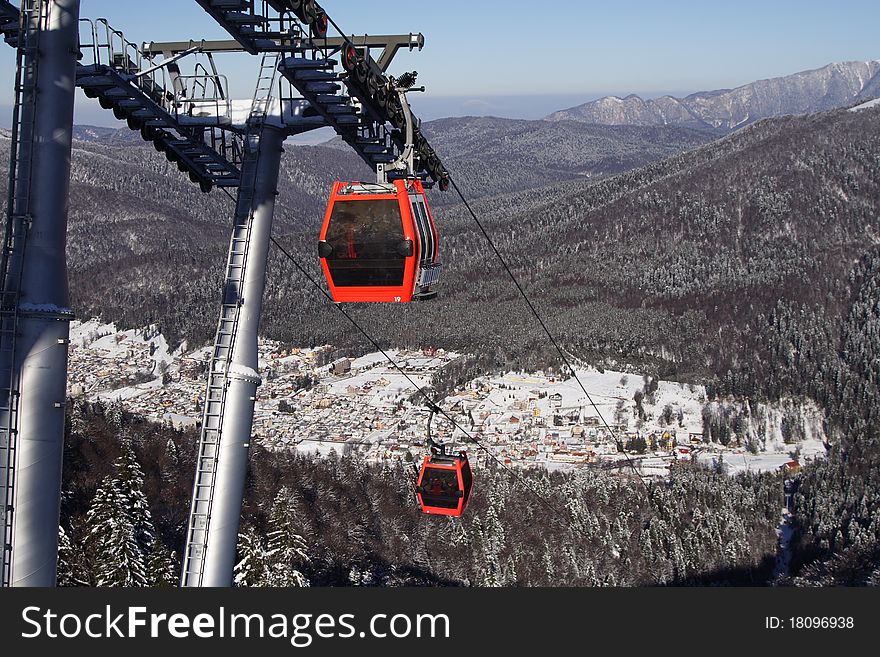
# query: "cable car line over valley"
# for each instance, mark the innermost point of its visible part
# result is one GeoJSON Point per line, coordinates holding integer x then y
{"type": "Point", "coordinates": [378, 241]}
{"type": "Point", "coordinates": [430, 402]}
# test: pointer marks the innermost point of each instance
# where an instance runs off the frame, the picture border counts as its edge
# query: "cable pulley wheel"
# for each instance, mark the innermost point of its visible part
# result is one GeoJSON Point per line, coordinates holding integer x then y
{"type": "Point", "coordinates": [381, 96]}
{"type": "Point", "coordinates": [309, 11]}
{"type": "Point", "coordinates": [349, 57]}
{"type": "Point", "coordinates": [398, 119]}
{"type": "Point", "coordinates": [374, 82]}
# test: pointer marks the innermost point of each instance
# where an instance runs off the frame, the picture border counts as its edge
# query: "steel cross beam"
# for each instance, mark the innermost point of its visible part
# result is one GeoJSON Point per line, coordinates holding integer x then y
{"type": "Point", "coordinates": [390, 44]}
{"type": "Point", "coordinates": [299, 33]}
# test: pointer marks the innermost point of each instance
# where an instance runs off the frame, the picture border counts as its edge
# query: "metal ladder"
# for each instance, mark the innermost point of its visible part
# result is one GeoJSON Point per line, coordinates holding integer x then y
{"type": "Point", "coordinates": [17, 226]}
{"type": "Point", "coordinates": [227, 329]}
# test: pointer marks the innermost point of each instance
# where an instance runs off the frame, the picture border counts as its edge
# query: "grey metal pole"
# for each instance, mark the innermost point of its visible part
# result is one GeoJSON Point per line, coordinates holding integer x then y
{"type": "Point", "coordinates": [40, 359]}
{"type": "Point", "coordinates": [218, 540]}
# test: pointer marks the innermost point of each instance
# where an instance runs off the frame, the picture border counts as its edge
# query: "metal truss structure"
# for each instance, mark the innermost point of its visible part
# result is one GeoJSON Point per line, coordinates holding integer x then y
{"type": "Point", "coordinates": [311, 76]}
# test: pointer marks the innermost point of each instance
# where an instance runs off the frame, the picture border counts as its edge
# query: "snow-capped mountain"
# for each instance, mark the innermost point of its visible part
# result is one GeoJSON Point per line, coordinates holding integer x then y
{"type": "Point", "coordinates": [826, 88]}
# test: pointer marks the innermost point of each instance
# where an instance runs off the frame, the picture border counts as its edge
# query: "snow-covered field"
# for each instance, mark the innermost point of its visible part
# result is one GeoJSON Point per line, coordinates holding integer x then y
{"type": "Point", "coordinates": [864, 106]}
{"type": "Point", "coordinates": [610, 394]}
{"type": "Point", "coordinates": [530, 419]}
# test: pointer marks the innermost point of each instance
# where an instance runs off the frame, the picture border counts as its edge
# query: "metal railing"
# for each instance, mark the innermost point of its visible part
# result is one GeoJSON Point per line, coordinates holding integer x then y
{"type": "Point", "coordinates": [201, 95]}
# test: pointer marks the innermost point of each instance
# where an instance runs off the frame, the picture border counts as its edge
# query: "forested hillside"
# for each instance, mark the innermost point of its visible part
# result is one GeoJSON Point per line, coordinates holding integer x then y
{"type": "Point", "coordinates": [499, 156]}
{"type": "Point", "coordinates": [341, 522]}
{"type": "Point", "coordinates": [713, 264]}
{"type": "Point", "coordinates": [145, 246]}
{"type": "Point", "coordinates": [751, 263]}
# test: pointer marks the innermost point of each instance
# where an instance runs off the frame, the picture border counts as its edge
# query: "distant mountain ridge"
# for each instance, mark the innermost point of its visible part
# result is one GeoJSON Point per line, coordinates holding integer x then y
{"type": "Point", "coordinates": [533, 154]}
{"type": "Point", "coordinates": [830, 87]}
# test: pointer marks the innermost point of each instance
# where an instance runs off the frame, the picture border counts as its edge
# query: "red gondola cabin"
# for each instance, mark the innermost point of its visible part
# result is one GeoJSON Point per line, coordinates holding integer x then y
{"type": "Point", "coordinates": [444, 484]}
{"type": "Point", "coordinates": [379, 243]}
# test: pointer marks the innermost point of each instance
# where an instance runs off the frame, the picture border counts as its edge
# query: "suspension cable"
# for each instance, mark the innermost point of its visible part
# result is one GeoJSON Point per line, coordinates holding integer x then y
{"type": "Point", "coordinates": [552, 339]}
{"type": "Point", "coordinates": [411, 381]}
{"type": "Point", "coordinates": [430, 401]}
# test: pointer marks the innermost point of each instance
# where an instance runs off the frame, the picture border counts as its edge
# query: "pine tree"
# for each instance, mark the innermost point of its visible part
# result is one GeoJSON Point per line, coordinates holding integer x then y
{"type": "Point", "coordinates": [491, 539]}
{"type": "Point", "coordinates": [122, 547]}
{"type": "Point", "coordinates": [162, 569]}
{"type": "Point", "coordinates": [116, 557]}
{"type": "Point", "coordinates": [286, 549]}
{"type": "Point", "coordinates": [130, 482]}
{"type": "Point", "coordinates": [251, 568]}
{"type": "Point", "coordinates": [70, 562]}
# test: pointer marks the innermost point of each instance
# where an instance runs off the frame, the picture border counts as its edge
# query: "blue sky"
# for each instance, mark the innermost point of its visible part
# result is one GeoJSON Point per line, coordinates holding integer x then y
{"type": "Point", "coordinates": [525, 58]}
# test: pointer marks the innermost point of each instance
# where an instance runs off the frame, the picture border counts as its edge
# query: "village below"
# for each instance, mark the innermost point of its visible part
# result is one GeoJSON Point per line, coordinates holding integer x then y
{"type": "Point", "coordinates": [311, 402]}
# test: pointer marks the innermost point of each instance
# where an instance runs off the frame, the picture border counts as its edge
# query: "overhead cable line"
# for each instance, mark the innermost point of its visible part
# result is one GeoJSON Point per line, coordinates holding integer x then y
{"type": "Point", "coordinates": [538, 317]}
{"type": "Point", "coordinates": [430, 401]}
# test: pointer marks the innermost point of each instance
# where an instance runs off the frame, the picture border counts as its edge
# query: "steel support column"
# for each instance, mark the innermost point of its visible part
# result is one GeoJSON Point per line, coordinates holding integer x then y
{"type": "Point", "coordinates": [39, 359]}
{"type": "Point", "coordinates": [211, 550]}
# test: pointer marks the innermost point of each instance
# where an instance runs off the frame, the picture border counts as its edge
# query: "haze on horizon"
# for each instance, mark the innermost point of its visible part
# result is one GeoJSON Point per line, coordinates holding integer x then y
{"type": "Point", "coordinates": [519, 64]}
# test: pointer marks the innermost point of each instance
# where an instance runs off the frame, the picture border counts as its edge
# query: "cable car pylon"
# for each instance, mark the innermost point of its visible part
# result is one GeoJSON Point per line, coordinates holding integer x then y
{"type": "Point", "coordinates": [218, 489]}
{"type": "Point", "coordinates": [351, 96]}
{"type": "Point", "coordinates": [34, 313]}
{"type": "Point", "coordinates": [233, 376]}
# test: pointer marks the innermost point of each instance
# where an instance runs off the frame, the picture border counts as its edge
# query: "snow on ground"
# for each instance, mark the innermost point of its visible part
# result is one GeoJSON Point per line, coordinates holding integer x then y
{"type": "Point", "coordinates": [864, 106]}
{"type": "Point", "coordinates": [129, 393]}
{"type": "Point", "coordinates": [374, 359]}
{"type": "Point", "coordinates": [373, 375]}
{"type": "Point", "coordinates": [609, 391]}
{"type": "Point", "coordinates": [116, 343]}
{"type": "Point", "coordinates": [161, 355]}
{"type": "Point", "coordinates": [531, 420]}
{"type": "Point", "coordinates": [180, 421]}
{"type": "Point", "coordinates": [739, 460]}
{"type": "Point", "coordinates": [80, 331]}
{"type": "Point", "coordinates": [320, 447]}
{"type": "Point", "coordinates": [734, 463]}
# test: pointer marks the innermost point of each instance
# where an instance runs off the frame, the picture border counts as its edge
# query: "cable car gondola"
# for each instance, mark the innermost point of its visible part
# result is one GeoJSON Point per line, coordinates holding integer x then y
{"type": "Point", "coordinates": [379, 243]}
{"type": "Point", "coordinates": [444, 483]}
